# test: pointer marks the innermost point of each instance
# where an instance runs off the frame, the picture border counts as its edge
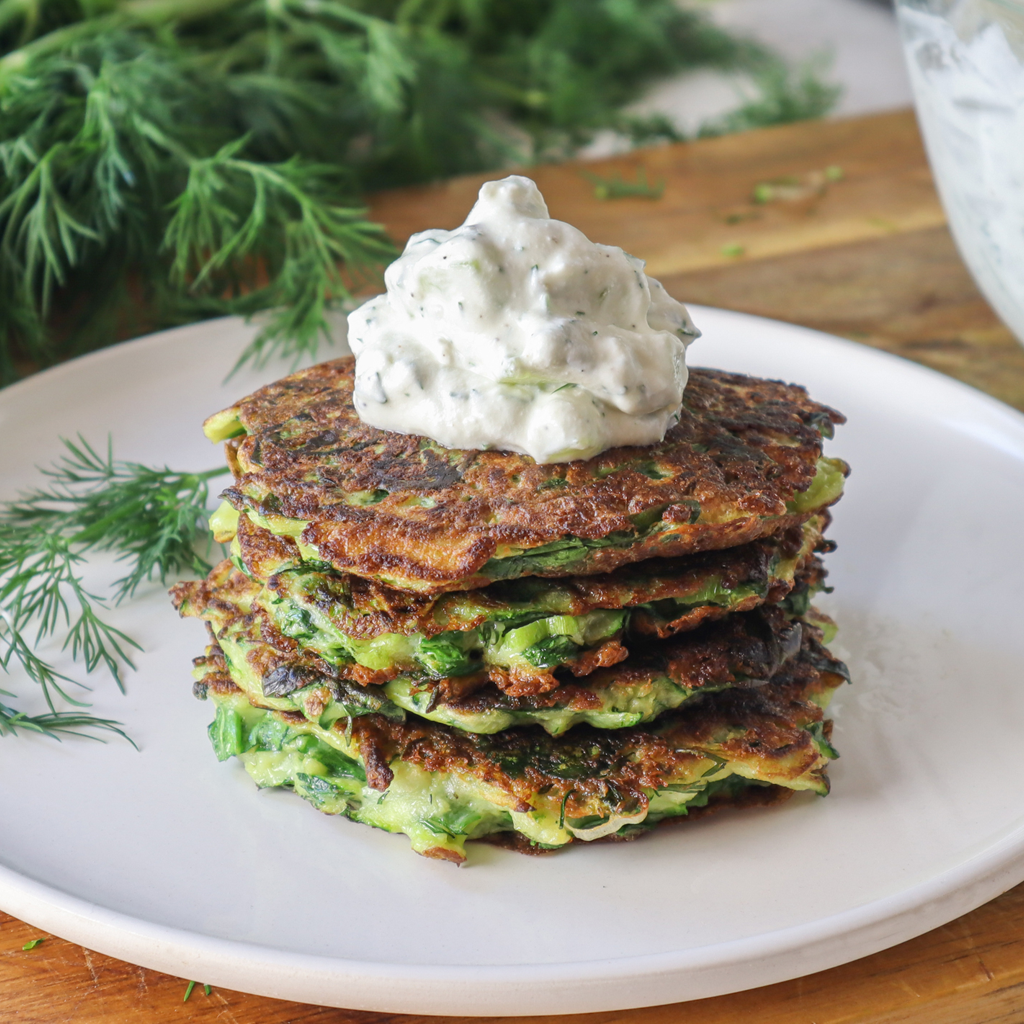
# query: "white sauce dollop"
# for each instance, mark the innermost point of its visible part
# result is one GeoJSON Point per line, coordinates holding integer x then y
{"type": "Point", "coordinates": [516, 332]}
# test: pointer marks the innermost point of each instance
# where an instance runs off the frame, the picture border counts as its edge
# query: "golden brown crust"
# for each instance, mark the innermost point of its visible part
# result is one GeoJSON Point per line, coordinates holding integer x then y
{"type": "Point", "coordinates": [723, 475]}
{"type": "Point", "coordinates": [215, 672]}
{"type": "Point", "coordinates": [441, 853]}
{"type": "Point", "coordinates": [371, 608]}
{"type": "Point", "coordinates": [522, 682]}
{"type": "Point", "coordinates": [264, 553]}
{"type": "Point", "coordinates": [723, 648]}
{"type": "Point", "coordinates": [224, 591]}
{"type": "Point", "coordinates": [765, 733]}
{"type": "Point", "coordinates": [742, 650]}
{"type": "Point", "coordinates": [762, 730]}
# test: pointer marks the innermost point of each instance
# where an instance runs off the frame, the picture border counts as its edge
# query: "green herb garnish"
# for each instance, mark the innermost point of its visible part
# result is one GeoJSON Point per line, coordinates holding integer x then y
{"type": "Point", "coordinates": [152, 518]}
{"type": "Point", "coordinates": [794, 188]}
{"type": "Point", "coordinates": [54, 724]}
{"type": "Point", "coordinates": [188, 991]}
{"type": "Point", "coordinates": [32, 943]}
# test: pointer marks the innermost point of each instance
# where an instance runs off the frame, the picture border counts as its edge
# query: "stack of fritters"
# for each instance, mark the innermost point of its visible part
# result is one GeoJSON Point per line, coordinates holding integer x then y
{"type": "Point", "coordinates": [464, 645]}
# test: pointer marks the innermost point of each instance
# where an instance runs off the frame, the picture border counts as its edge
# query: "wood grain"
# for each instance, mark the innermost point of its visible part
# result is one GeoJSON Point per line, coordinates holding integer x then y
{"type": "Point", "coordinates": [970, 971]}
{"type": "Point", "coordinates": [909, 294]}
{"type": "Point", "coordinates": [707, 207]}
{"type": "Point", "coordinates": [867, 257]}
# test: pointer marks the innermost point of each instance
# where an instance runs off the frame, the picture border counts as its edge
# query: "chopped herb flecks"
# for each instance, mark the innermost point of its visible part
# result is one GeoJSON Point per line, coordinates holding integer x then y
{"type": "Point", "coordinates": [617, 187]}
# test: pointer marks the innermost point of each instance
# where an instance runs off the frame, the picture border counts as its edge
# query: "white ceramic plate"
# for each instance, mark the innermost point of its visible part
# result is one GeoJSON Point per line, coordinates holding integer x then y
{"type": "Point", "coordinates": [173, 861]}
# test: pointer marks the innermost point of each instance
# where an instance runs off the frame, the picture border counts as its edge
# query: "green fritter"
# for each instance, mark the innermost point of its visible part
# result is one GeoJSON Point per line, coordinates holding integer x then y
{"type": "Point", "coordinates": [663, 592]}
{"type": "Point", "coordinates": [516, 633]}
{"type": "Point", "coordinates": [743, 649]}
{"type": "Point", "coordinates": [744, 461]}
{"type": "Point", "coordinates": [441, 787]}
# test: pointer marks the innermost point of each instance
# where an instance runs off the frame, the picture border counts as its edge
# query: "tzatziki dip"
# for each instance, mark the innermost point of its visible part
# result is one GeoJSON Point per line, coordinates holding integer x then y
{"type": "Point", "coordinates": [516, 332]}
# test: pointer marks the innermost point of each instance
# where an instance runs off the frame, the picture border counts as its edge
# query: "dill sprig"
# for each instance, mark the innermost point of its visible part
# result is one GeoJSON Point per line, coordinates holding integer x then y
{"type": "Point", "coordinates": [279, 218]}
{"type": "Point", "coordinates": [151, 517]}
{"type": "Point", "coordinates": [58, 723]}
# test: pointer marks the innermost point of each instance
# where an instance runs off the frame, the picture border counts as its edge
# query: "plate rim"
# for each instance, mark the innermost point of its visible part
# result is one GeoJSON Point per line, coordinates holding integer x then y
{"type": "Point", "coordinates": [617, 983]}
{"type": "Point", "coordinates": [566, 987]}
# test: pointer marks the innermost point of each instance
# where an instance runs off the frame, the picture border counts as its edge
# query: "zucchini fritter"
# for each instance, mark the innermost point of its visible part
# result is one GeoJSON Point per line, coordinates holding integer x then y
{"type": "Point", "coordinates": [521, 634]}
{"type": "Point", "coordinates": [276, 671]}
{"type": "Point", "coordinates": [441, 787]}
{"type": "Point", "coordinates": [743, 462]}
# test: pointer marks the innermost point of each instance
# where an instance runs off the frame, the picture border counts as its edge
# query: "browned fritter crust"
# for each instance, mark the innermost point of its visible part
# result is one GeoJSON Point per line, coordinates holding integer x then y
{"type": "Point", "coordinates": [766, 726]}
{"type": "Point", "coordinates": [742, 650]}
{"type": "Point", "coordinates": [216, 676]}
{"type": "Point", "coordinates": [264, 554]}
{"type": "Point", "coordinates": [376, 608]}
{"type": "Point", "coordinates": [722, 476]}
{"type": "Point", "coordinates": [763, 732]}
{"type": "Point", "coordinates": [756, 651]}
{"type": "Point", "coordinates": [697, 654]}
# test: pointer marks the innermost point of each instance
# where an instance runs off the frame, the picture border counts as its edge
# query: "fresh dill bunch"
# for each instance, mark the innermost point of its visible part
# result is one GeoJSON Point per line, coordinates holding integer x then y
{"type": "Point", "coordinates": [163, 161]}
{"type": "Point", "coordinates": [127, 179]}
{"type": "Point", "coordinates": [786, 95]}
{"type": "Point", "coordinates": [153, 519]}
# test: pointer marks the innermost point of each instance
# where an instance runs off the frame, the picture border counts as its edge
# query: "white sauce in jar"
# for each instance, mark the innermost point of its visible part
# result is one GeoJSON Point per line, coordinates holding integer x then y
{"type": "Point", "coordinates": [969, 89]}
{"type": "Point", "coordinates": [516, 332]}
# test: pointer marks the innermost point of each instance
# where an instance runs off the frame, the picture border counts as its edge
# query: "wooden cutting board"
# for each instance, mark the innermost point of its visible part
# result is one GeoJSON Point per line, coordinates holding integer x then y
{"type": "Point", "coordinates": [832, 225]}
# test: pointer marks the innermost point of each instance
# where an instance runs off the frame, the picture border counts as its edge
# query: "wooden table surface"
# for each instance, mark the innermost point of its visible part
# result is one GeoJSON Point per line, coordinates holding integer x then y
{"type": "Point", "coordinates": [863, 253]}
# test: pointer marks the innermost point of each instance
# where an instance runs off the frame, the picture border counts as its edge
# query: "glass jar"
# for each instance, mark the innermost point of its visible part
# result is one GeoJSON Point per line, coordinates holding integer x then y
{"type": "Point", "coordinates": [966, 64]}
